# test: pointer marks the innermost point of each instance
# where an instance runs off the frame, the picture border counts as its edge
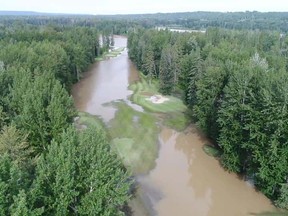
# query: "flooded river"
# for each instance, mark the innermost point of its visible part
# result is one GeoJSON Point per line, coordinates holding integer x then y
{"type": "Point", "coordinates": [185, 181]}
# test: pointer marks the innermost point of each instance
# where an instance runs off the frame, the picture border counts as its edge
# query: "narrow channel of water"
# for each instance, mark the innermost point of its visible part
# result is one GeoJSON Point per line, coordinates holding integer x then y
{"type": "Point", "coordinates": [106, 81]}
{"type": "Point", "coordinates": [185, 181]}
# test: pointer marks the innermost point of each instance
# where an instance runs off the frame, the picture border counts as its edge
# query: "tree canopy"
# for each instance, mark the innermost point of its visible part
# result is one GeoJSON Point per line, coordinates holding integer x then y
{"type": "Point", "coordinates": [47, 167]}
{"type": "Point", "coordinates": [235, 84]}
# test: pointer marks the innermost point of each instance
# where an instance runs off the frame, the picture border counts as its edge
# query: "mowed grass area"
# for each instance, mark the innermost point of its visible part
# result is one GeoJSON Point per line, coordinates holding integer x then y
{"type": "Point", "coordinates": [113, 53]}
{"type": "Point", "coordinates": [134, 137]}
{"type": "Point", "coordinates": [174, 108]}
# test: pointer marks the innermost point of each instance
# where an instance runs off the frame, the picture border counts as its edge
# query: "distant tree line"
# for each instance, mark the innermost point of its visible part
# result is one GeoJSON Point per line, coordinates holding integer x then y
{"type": "Point", "coordinates": [46, 166]}
{"type": "Point", "coordinates": [103, 24]}
{"type": "Point", "coordinates": [236, 85]}
{"type": "Point", "coordinates": [249, 20]}
{"type": "Point", "coordinates": [121, 24]}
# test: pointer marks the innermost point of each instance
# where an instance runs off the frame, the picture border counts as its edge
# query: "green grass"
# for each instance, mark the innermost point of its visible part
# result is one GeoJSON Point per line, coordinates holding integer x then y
{"type": "Point", "coordinates": [276, 213]}
{"type": "Point", "coordinates": [119, 50]}
{"type": "Point", "coordinates": [112, 54]}
{"type": "Point", "coordinates": [211, 150]}
{"type": "Point", "coordinates": [99, 58]}
{"type": "Point", "coordinates": [143, 90]}
{"type": "Point", "coordinates": [134, 134]}
{"type": "Point", "coordinates": [89, 120]}
{"type": "Point", "coordinates": [134, 137]}
{"type": "Point", "coordinates": [177, 121]}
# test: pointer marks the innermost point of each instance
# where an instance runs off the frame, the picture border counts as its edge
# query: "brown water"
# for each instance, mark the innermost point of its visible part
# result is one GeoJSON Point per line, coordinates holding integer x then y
{"type": "Point", "coordinates": [185, 181]}
{"type": "Point", "coordinates": [195, 184]}
{"type": "Point", "coordinates": [106, 81]}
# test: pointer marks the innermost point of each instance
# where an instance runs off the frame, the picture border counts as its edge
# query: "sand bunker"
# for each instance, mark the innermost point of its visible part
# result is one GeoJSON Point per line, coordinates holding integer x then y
{"type": "Point", "coordinates": [157, 99]}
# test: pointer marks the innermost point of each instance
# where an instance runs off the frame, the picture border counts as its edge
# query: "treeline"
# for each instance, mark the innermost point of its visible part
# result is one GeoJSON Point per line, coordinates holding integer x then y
{"type": "Point", "coordinates": [236, 85]}
{"type": "Point", "coordinates": [47, 167]}
{"type": "Point", "coordinates": [103, 24]}
{"type": "Point", "coordinates": [121, 24]}
{"type": "Point", "coordinates": [202, 20]}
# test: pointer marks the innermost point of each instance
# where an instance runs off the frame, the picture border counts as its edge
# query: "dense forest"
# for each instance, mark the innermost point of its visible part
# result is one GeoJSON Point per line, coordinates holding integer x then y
{"type": "Point", "coordinates": [251, 20]}
{"type": "Point", "coordinates": [120, 24]}
{"type": "Point", "coordinates": [47, 167]}
{"type": "Point", "coordinates": [233, 78]}
{"type": "Point", "coordinates": [236, 85]}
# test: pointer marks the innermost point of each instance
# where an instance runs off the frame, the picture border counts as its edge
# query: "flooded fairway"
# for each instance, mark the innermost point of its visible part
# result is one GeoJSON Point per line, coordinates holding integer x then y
{"type": "Point", "coordinates": [185, 181]}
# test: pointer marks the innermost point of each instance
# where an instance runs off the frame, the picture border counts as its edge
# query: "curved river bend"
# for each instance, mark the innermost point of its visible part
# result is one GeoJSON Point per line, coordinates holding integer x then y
{"type": "Point", "coordinates": [185, 181]}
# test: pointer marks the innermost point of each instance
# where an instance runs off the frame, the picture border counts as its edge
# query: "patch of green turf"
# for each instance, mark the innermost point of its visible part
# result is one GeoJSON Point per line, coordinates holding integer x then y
{"type": "Point", "coordinates": [177, 121]}
{"type": "Point", "coordinates": [143, 90]}
{"type": "Point", "coordinates": [134, 136]}
{"type": "Point", "coordinates": [111, 54]}
{"type": "Point", "coordinates": [120, 49]}
{"type": "Point", "coordinates": [99, 58]}
{"type": "Point", "coordinates": [90, 120]}
{"type": "Point", "coordinates": [211, 150]}
{"type": "Point", "coordinates": [115, 52]}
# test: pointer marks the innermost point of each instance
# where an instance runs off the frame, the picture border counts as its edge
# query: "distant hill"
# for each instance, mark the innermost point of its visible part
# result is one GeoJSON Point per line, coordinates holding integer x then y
{"type": "Point", "coordinates": [213, 15]}
{"type": "Point", "coordinates": [32, 13]}
{"type": "Point", "coordinates": [20, 13]}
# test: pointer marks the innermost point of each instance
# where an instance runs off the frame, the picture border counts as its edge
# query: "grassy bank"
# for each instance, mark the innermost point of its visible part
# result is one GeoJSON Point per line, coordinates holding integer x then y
{"type": "Point", "coordinates": [143, 90]}
{"type": "Point", "coordinates": [86, 119]}
{"type": "Point", "coordinates": [211, 150]}
{"type": "Point", "coordinates": [113, 53]}
{"type": "Point", "coordinates": [174, 109]}
{"type": "Point", "coordinates": [134, 136]}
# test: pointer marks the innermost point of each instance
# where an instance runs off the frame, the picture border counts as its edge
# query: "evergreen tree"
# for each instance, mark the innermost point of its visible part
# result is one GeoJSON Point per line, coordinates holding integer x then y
{"type": "Point", "coordinates": [208, 96]}
{"type": "Point", "coordinates": [166, 74]}
{"type": "Point", "coordinates": [282, 201]}
{"type": "Point", "coordinates": [149, 64]}
{"type": "Point", "coordinates": [79, 175]}
{"type": "Point", "coordinates": [42, 108]}
{"type": "Point", "coordinates": [12, 180]}
{"type": "Point", "coordinates": [14, 143]}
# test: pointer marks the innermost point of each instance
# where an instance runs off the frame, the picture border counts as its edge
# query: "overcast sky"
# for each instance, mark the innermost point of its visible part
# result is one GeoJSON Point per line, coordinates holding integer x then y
{"type": "Point", "coordinates": [141, 6]}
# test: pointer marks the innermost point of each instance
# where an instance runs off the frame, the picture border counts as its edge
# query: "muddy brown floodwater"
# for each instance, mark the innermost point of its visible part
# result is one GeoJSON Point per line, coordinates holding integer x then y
{"type": "Point", "coordinates": [195, 184]}
{"type": "Point", "coordinates": [106, 81]}
{"type": "Point", "coordinates": [185, 181]}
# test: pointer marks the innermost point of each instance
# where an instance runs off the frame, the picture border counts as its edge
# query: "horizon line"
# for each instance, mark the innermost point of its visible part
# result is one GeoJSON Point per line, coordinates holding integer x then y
{"type": "Point", "coordinates": [144, 13]}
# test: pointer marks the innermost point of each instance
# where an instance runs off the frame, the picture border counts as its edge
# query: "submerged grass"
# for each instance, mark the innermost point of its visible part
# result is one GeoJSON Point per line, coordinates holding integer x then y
{"type": "Point", "coordinates": [211, 150]}
{"type": "Point", "coordinates": [177, 121]}
{"type": "Point", "coordinates": [134, 136]}
{"type": "Point", "coordinates": [113, 53]}
{"type": "Point", "coordinates": [276, 213]}
{"type": "Point", "coordinates": [90, 120]}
